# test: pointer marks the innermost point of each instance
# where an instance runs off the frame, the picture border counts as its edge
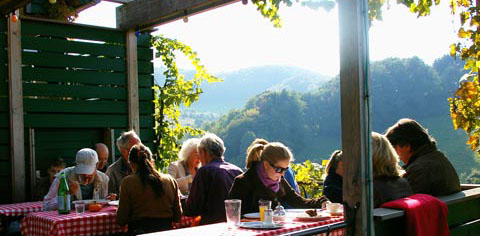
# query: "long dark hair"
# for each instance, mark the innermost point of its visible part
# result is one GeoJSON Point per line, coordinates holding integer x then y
{"type": "Point", "coordinates": [408, 131]}
{"type": "Point", "coordinates": [146, 170]}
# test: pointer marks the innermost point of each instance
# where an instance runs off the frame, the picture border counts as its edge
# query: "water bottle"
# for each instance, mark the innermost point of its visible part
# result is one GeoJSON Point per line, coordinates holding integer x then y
{"type": "Point", "coordinates": [63, 196]}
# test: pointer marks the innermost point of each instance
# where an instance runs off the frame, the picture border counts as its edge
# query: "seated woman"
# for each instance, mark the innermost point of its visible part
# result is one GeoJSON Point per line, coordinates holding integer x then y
{"type": "Point", "coordinates": [185, 168]}
{"type": "Point", "coordinates": [332, 186]}
{"type": "Point", "coordinates": [265, 180]}
{"type": "Point", "coordinates": [149, 200]}
{"type": "Point", "coordinates": [387, 183]}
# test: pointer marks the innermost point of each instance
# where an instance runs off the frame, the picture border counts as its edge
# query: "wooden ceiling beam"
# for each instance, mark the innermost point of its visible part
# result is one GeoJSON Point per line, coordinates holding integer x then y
{"type": "Point", "coordinates": [146, 14]}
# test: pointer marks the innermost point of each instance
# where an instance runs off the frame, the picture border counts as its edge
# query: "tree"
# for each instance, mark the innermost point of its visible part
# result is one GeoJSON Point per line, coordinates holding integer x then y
{"type": "Point", "coordinates": [175, 92]}
{"type": "Point", "coordinates": [465, 103]}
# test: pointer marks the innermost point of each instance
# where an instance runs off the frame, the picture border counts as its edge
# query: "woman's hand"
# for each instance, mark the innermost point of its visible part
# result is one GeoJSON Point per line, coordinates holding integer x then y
{"type": "Point", "coordinates": [112, 197]}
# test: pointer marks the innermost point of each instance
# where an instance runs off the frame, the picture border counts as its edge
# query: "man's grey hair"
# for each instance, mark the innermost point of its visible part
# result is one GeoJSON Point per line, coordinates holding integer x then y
{"type": "Point", "coordinates": [212, 144]}
{"type": "Point", "coordinates": [122, 141]}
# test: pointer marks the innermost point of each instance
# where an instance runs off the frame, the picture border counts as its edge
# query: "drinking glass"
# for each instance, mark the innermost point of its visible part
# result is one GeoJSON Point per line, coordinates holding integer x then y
{"type": "Point", "coordinates": [79, 207]}
{"type": "Point", "coordinates": [232, 210]}
{"type": "Point", "coordinates": [262, 206]}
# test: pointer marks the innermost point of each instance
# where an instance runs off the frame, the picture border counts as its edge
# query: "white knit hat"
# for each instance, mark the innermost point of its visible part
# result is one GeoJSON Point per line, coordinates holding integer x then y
{"type": "Point", "coordinates": [86, 161]}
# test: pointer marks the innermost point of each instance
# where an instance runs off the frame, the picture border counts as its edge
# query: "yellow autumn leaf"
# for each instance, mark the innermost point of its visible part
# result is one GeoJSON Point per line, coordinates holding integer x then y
{"type": "Point", "coordinates": [453, 50]}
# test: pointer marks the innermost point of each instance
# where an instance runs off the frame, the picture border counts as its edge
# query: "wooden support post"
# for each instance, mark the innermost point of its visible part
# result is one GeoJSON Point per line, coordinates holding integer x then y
{"type": "Point", "coordinates": [32, 151]}
{"type": "Point", "coordinates": [132, 73]}
{"type": "Point", "coordinates": [354, 80]}
{"type": "Point", "coordinates": [17, 148]}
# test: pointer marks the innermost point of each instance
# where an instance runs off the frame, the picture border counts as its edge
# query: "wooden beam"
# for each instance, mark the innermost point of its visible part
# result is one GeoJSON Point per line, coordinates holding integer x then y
{"type": "Point", "coordinates": [146, 14]}
{"type": "Point", "coordinates": [119, 1]}
{"type": "Point", "coordinates": [354, 80]}
{"type": "Point", "coordinates": [132, 72]}
{"type": "Point", "coordinates": [16, 110]}
{"type": "Point", "coordinates": [8, 6]}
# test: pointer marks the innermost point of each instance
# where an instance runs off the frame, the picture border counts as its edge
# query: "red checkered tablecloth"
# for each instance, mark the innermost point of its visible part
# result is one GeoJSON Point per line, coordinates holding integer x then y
{"type": "Point", "coordinates": [18, 209]}
{"type": "Point", "coordinates": [224, 229]}
{"type": "Point", "coordinates": [50, 223]}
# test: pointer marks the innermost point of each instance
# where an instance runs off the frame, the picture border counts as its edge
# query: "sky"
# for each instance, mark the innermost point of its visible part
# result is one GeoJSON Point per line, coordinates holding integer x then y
{"type": "Point", "coordinates": [237, 36]}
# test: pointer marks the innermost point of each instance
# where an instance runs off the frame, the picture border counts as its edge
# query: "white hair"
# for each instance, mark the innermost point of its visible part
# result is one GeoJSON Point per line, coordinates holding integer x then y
{"type": "Point", "coordinates": [187, 148]}
{"type": "Point", "coordinates": [122, 141]}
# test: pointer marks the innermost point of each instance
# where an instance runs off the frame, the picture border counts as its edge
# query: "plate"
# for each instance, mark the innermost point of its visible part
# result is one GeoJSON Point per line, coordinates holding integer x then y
{"type": "Point", "coordinates": [114, 203]}
{"type": "Point", "coordinates": [255, 215]}
{"type": "Point", "coordinates": [90, 201]}
{"type": "Point", "coordinates": [306, 217]}
{"type": "Point", "coordinates": [258, 225]}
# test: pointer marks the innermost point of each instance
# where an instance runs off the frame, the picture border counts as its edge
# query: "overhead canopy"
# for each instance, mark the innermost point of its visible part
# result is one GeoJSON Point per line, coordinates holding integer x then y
{"type": "Point", "coordinates": [146, 14]}
{"type": "Point", "coordinates": [7, 6]}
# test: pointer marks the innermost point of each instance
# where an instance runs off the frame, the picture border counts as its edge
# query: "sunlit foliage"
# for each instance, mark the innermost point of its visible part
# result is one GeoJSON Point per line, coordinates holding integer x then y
{"type": "Point", "coordinates": [309, 176]}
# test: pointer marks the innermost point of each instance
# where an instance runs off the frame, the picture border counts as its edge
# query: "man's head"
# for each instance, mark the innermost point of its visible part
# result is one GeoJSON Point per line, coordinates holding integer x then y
{"type": "Point", "coordinates": [56, 166]}
{"type": "Point", "coordinates": [406, 136]}
{"type": "Point", "coordinates": [102, 152]}
{"type": "Point", "coordinates": [210, 147]}
{"type": "Point", "coordinates": [86, 165]}
{"type": "Point", "coordinates": [126, 141]}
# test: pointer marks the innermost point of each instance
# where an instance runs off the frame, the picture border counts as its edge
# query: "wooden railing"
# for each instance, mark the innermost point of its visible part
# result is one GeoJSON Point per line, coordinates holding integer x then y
{"type": "Point", "coordinates": [463, 214]}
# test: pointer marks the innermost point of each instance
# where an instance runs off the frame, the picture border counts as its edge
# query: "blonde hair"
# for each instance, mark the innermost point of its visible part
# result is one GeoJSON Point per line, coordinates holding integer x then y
{"type": "Point", "coordinates": [385, 159]}
{"type": "Point", "coordinates": [254, 151]}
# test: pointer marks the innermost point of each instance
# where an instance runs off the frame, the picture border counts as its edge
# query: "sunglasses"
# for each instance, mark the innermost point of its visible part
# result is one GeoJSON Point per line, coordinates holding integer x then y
{"type": "Point", "coordinates": [277, 169]}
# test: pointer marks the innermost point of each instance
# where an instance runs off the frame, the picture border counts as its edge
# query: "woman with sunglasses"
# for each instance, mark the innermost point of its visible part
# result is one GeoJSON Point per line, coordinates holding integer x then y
{"type": "Point", "coordinates": [265, 180]}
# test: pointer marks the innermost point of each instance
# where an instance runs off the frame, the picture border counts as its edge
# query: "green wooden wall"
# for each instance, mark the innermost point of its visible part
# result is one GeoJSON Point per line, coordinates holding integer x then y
{"type": "Point", "coordinates": [5, 181]}
{"type": "Point", "coordinates": [75, 88]}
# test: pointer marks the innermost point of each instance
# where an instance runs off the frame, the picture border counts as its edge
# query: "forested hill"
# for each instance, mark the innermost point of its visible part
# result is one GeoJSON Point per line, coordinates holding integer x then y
{"type": "Point", "coordinates": [309, 123]}
{"type": "Point", "coordinates": [241, 85]}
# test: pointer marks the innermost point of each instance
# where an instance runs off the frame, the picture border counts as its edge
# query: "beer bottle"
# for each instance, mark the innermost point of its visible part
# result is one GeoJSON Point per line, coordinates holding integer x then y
{"type": "Point", "coordinates": [63, 196]}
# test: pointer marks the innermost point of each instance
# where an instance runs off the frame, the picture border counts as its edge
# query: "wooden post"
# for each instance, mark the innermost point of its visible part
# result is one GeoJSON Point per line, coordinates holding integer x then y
{"type": "Point", "coordinates": [354, 80]}
{"type": "Point", "coordinates": [33, 168]}
{"type": "Point", "coordinates": [17, 148]}
{"type": "Point", "coordinates": [132, 72]}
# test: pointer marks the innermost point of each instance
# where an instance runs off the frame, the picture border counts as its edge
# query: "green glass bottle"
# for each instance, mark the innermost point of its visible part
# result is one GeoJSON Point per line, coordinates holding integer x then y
{"type": "Point", "coordinates": [63, 196]}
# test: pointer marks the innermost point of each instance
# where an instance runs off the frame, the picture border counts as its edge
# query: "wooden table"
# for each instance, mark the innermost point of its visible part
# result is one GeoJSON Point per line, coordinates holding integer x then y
{"type": "Point", "coordinates": [224, 229]}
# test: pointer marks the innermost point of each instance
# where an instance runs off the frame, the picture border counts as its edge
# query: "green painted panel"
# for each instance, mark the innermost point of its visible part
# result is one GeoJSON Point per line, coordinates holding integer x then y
{"type": "Point", "coordinates": [3, 68]}
{"type": "Point", "coordinates": [145, 67]}
{"type": "Point", "coordinates": [46, 136]}
{"type": "Point", "coordinates": [144, 54]}
{"type": "Point", "coordinates": [30, 27]}
{"type": "Point", "coordinates": [3, 58]}
{"type": "Point", "coordinates": [70, 46]}
{"type": "Point", "coordinates": [82, 76]}
{"type": "Point", "coordinates": [471, 229]}
{"type": "Point", "coordinates": [3, 40]}
{"type": "Point", "coordinates": [3, 24]}
{"type": "Point", "coordinates": [4, 120]}
{"type": "Point", "coordinates": [60, 60]}
{"type": "Point", "coordinates": [5, 184]}
{"type": "Point", "coordinates": [391, 227]}
{"type": "Point", "coordinates": [5, 168]}
{"type": "Point", "coordinates": [4, 152]}
{"type": "Point", "coordinates": [147, 134]}
{"type": "Point", "coordinates": [30, 89]}
{"type": "Point", "coordinates": [77, 106]}
{"type": "Point", "coordinates": [4, 104]}
{"type": "Point", "coordinates": [145, 94]}
{"type": "Point", "coordinates": [4, 136]}
{"type": "Point", "coordinates": [461, 212]}
{"type": "Point", "coordinates": [78, 121]}
{"type": "Point", "coordinates": [143, 40]}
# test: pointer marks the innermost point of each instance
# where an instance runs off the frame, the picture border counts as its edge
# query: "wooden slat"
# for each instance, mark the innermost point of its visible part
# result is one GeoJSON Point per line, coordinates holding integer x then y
{"type": "Point", "coordinates": [145, 80]}
{"type": "Point", "coordinates": [4, 153]}
{"type": "Point", "coordinates": [45, 136]}
{"type": "Point", "coordinates": [4, 104]}
{"type": "Point", "coordinates": [59, 60]}
{"type": "Point", "coordinates": [4, 136]}
{"type": "Point", "coordinates": [30, 27]}
{"type": "Point", "coordinates": [3, 68]}
{"type": "Point", "coordinates": [75, 106]}
{"type": "Point", "coordinates": [3, 24]}
{"type": "Point", "coordinates": [81, 76]}
{"type": "Point", "coordinates": [80, 121]}
{"type": "Point", "coordinates": [147, 134]}
{"type": "Point", "coordinates": [70, 46]}
{"type": "Point", "coordinates": [143, 40]}
{"type": "Point", "coordinates": [4, 120]}
{"type": "Point", "coordinates": [145, 54]}
{"type": "Point", "coordinates": [3, 40]}
{"type": "Point", "coordinates": [73, 91]}
{"type": "Point", "coordinates": [467, 229]}
{"type": "Point", "coordinates": [145, 67]}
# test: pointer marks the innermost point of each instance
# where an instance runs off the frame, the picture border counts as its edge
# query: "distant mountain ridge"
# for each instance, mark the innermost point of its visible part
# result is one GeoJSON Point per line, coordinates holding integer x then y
{"type": "Point", "coordinates": [239, 86]}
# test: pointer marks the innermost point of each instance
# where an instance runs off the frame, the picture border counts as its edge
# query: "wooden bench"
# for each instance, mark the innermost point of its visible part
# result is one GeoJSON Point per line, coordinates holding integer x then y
{"type": "Point", "coordinates": [463, 214]}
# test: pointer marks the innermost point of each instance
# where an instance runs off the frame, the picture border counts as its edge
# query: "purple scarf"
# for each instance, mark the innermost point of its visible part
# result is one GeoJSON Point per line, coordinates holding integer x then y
{"type": "Point", "coordinates": [269, 183]}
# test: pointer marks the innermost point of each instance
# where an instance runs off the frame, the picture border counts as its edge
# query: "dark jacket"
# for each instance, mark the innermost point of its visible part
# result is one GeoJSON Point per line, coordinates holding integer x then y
{"type": "Point", "coordinates": [389, 188]}
{"type": "Point", "coordinates": [332, 187]}
{"type": "Point", "coordinates": [428, 171]}
{"type": "Point", "coordinates": [248, 188]}
{"type": "Point", "coordinates": [210, 189]}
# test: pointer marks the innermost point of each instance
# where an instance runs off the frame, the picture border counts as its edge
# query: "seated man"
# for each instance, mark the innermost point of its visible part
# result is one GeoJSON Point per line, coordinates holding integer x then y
{"type": "Point", "coordinates": [84, 180]}
{"type": "Point", "coordinates": [102, 152]}
{"type": "Point", "coordinates": [427, 169]}
{"type": "Point", "coordinates": [120, 168]}
{"type": "Point", "coordinates": [212, 182]}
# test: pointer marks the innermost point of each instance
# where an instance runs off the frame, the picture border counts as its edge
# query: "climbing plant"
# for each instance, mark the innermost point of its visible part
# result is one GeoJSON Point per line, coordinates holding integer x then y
{"type": "Point", "coordinates": [175, 92]}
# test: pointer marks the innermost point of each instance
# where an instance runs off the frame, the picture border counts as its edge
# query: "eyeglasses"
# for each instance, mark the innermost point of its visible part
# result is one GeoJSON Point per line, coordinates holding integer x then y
{"type": "Point", "coordinates": [278, 169]}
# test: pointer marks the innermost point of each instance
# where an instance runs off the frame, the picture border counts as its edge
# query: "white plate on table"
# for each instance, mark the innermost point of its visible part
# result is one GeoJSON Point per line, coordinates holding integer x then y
{"type": "Point", "coordinates": [255, 215]}
{"type": "Point", "coordinates": [114, 203]}
{"type": "Point", "coordinates": [305, 217]}
{"type": "Point", "coordinates": [258, 225]}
